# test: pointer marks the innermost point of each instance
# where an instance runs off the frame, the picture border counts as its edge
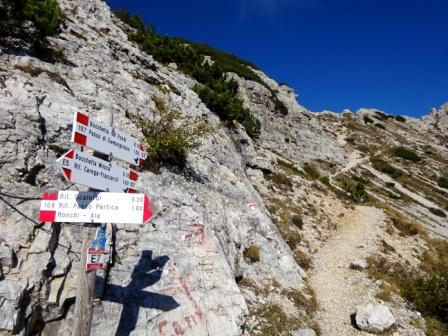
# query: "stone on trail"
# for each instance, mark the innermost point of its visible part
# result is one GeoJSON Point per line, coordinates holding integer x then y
{"type": "Point", "coordinates": [359, 264]}
{"type": "Point", "coordinates": [304, 332]}
{"type": "Point", "coordinates": [374, 318]}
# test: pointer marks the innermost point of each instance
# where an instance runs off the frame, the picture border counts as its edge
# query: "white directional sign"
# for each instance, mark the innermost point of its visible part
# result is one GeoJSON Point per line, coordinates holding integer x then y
{"type": "Point", "coordinates": [85, 169]}
{"type": "Point", "coordinates": [105, 139]}
{"type": "Point", "coordinates": [94, 207]}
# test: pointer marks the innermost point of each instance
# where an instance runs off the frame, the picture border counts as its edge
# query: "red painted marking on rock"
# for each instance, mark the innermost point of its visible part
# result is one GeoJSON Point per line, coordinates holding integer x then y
{"type": "Point", "coordinates": [191, 321]}
{"type": "Point", "coordinates": [183, 284]}
{"type": "Point", "coordinates": [161, 326]}
{"type": "Point", "coordinates": [177, 328]}
{"type": "Point", "coordinates": [198, 233]}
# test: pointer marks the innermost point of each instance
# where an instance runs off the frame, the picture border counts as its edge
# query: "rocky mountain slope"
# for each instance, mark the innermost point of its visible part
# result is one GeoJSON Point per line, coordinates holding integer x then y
{"type": "Point", "coordinates": [243, 236]}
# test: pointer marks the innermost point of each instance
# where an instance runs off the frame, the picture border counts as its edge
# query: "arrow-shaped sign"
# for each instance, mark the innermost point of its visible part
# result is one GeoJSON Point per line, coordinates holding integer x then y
{"type": "Point", "coordinates": [95, 207]}
{"type": "Point", "coordinates": [105, 139]}
{"type": "Point", "coordinates": [85, 169]}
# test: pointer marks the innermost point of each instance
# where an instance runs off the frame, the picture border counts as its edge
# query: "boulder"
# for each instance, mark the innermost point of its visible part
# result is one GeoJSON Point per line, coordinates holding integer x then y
{"type": "Point", "coordinates": [374, 318]}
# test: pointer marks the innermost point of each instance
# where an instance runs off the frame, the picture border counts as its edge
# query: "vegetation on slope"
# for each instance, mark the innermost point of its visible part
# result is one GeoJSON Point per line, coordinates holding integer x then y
{"type": "Point", "coordinates": [44, 16]}
{"type": "Point", "coordinates": [406, 154]}
{"type": "Point", "coordinates": [426, 289]}
{"type": "Point", "coordinates": [443, 182]}
{"type": "Point", "coordinates": [216, 91]}
{"type": "Point", "coordinates": [169, 136]}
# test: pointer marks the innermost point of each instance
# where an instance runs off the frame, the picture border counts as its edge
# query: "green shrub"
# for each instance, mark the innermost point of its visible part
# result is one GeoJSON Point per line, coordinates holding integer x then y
{"type": "Point", "coordinates": [302, 259]}
{"type": "Point", "coordinates": [354, 190]}
{"type": "Point", "coordinates": [442, 182]}
{"type": "Point", "coordinates": [325, 180]}
{"type": "Point", "coordinates": [289, 167]}
{"type": "Point", "coordinates": [368, 120]}
{"type": "Point", "coordinates": [311, 171]}
{"type": "Point", "coordinates": [280, 180]}
{"type": "Point", "coordinates": [44, 15]}
{"type": "Point", "coordinates": [274, 321]}
{"type": "Point", "coordinates": [221, 98]}
{"type": "Point", "coordinates": [406, 154]}
{"type": "Point", "coordinates": [385, 167]}
{"type": "Point", "coordinates": [169, 136]}
{"type": "Point", "coordinates": [279, 106]}
{"type": "Point", "coordinates": [400, 118]}
{"type": "Point", "coordinates": [297, 221]}
{"type": "Point", "coordinates": [252, 253]}
{"type": "Point", "coordinates": [380, 126]}
{"type": "Point", "coordinates": [382, 116]}
{"type": "Point", "coordinates": [429, 294]}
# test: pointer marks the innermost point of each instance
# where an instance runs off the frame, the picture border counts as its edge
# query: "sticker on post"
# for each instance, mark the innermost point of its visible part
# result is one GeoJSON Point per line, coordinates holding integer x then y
{"type": "Point", "coordinates": [95, 261]}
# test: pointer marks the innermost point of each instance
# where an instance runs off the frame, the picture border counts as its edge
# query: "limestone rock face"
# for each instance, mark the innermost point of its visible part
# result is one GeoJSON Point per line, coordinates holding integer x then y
{"type": "Point", "coordinates": [438, 118]}
{"type": "Point", "coordinates": [374, 318]}
{"type": "Point", "coordinates": [11, 294]}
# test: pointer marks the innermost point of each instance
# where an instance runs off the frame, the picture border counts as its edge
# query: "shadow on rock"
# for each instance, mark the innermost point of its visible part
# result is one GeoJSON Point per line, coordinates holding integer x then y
{"type": "Point", "coordinates": [133, 297]}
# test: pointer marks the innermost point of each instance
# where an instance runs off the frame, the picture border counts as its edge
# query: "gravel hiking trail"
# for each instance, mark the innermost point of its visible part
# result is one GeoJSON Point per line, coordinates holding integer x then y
{"type": "Point", "coordinates": [339, 289]}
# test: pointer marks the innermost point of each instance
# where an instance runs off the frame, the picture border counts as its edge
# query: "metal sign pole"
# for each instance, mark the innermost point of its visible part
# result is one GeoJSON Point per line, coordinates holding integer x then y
{"type": "Point", "coordinates": [84, 295]}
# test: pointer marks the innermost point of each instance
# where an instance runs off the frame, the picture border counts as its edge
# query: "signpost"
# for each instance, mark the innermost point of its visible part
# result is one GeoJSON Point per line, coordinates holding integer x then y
{"type": "Point", "coordinates": [82, 168]}
{"type": "Point", "coordinates": [105, 139]}
{"type": "Point", "coordinates": [94, 207]}
{"type": "Point", "coordinates": [113, 206]}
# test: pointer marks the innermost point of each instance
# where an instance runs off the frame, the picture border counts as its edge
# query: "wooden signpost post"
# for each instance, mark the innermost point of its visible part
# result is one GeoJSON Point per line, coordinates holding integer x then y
{"type": "Point", "coordinates": [120, 204]}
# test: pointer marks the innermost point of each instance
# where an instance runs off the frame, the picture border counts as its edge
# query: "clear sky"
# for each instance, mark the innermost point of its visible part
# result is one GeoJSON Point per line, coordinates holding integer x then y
{"type": "Point", "coordinates": [385, 54]}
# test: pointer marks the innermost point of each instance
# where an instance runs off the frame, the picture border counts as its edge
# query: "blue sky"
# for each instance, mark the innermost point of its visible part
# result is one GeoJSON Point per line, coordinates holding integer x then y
{"type": "Point", "coordinates": [386, 54]}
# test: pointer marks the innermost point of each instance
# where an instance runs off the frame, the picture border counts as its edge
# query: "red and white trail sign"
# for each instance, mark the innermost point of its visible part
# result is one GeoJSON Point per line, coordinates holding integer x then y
{"type": "Point", "coordinates": [82, 168]}
{"type": "Point", "coordinates": [105, 139]}
{"type": "Point", "coordinates": [94, 207]}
